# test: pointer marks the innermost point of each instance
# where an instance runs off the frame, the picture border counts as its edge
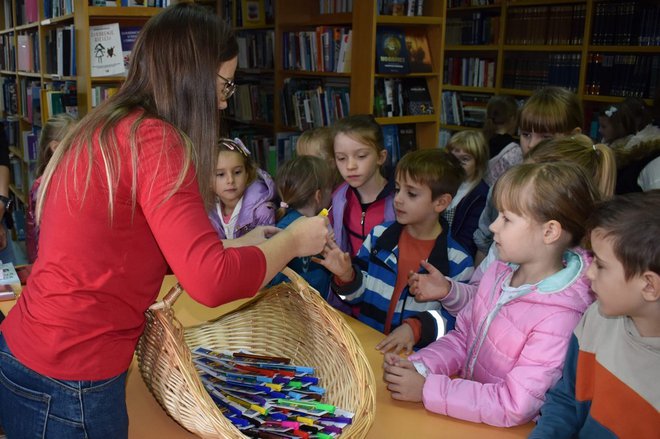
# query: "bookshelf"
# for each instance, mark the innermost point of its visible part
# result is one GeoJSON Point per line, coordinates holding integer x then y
{"type": "Point", "coordinates": [45, 69]}
{"type": "Point", "coordinates": [251, 112]}
{"type": "Point", "coordinates": [356, 87]}
{"type": "Point", "coordinates": [603, 50]}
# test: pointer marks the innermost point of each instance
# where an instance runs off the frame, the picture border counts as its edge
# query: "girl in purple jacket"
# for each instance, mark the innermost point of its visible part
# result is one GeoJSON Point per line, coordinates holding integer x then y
{"type": "Point", "coordinates": [510, 339]}
{"type": "Point", "coordinates": [244, 193]}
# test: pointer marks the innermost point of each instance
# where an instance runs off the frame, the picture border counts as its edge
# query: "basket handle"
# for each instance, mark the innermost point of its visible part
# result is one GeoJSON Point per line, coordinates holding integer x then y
{"type": "Point", "coordinates": [169, 298]}
{"type": "Point", "coordinates": [174, 292]}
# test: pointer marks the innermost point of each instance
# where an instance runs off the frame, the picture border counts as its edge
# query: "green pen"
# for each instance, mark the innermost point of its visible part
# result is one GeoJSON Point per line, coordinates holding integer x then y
{"type": "Point", "coordinates": [321, 435]}
{"type": "Point", "coordinates": [308, 405]}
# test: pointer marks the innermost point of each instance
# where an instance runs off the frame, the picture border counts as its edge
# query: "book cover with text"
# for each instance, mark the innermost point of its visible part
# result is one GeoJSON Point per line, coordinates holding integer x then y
{"type": "Point", "coordinates": [391, 51]}
{"type": "Point", "coordinates": [106, 56]}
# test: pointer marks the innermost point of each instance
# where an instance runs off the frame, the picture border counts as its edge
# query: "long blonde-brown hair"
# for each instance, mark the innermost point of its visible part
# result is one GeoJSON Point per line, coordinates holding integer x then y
{"type": "Point", "coordinates": [172, 78]}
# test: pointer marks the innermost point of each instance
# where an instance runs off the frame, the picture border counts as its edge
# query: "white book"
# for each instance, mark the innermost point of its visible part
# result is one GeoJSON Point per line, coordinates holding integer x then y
{"type": "Point", "coordinates": [106, 56]}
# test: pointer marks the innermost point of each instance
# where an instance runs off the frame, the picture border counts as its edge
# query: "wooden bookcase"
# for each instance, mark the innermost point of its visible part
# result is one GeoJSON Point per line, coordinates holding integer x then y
{"type": "Point", "coordinates": [11, 28]}
{"type": "Point", "coordinates": [508, 46]}
{"type": "Point", "coordinates": [364, 22]}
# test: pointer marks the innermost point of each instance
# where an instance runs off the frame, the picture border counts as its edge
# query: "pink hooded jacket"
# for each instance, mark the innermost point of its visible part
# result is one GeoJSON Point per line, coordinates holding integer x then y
{"type": "Point", "coordinates": [508, 347]}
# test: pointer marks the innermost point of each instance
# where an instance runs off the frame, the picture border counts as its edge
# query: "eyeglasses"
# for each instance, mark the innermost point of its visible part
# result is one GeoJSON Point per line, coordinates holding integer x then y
{"type": "Point", "coordinates": [235, 145]}
{"type": "Point", "coordinates": [229, 88]}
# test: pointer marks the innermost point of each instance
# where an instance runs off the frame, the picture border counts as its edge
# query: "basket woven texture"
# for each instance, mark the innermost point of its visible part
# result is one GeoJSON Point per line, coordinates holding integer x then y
{"type": "Point", "coordinates": [290, 320]}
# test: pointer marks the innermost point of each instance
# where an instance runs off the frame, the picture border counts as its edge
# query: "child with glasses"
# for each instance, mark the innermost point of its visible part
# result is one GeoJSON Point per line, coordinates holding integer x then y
{"type": "Point", "coordinates": [244, 193]}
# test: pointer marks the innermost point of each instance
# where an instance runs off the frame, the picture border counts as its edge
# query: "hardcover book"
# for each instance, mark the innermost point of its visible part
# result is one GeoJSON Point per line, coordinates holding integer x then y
{"type": "Point", "coordinates": [417, 98]}
{"type": "Point", "coordinates": [419, 54]}
{"type": "Point", "coordinates": [128, 36]}
{"type": "Point", "coordinates": [391, 51]}
{"type": "Point", "coordinates": [253, 13]}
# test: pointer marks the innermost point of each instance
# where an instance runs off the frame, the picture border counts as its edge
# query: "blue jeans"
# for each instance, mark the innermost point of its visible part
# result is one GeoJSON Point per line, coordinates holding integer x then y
{"type": "Point", "coordinates": [35, 406]}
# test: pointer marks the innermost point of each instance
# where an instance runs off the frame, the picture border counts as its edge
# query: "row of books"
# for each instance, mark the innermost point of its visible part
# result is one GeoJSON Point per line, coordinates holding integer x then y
{"type": "Point", "coordinates": [27, 11]}
{"type": "Point", "coordinates": [469, 72]}
{"type": "Point", "coordinates": [537, 25]}
{"type": "Point", "coordinates": [102, 92]}
{"type": "Point", "coordinates": [253, 101]}
{"type": "Point", "coordinates": [622, 75]}
{"type": "Point", "coordinates": [467, 3]}
{"type": "Point", "coordinates": [8, 49]}
{"type": "Point", "coordinates": [626, 23]}
{"type": "Point", "coordinates": [477, 29]}
{"type": "Point", "coordinates": [263, 149]}
{"type": "Point", "coordinates": [28, 52]}
{"type": "Point", "coordinates": [9, 96]}
{"type": "Point", "coordinates": [10, 125]}
{"type": "Point", "coordinates": [61, 51]}
{"type": "Point", "coordinates": [312, 103]}
{"type": "Point", "coordinates": [57, 8]}
{"type": "Point", "coordinates": [335, 6]}
{"type": "Point", "coordinates": [402, 97]}
{"type": "Point", "coordinates": [325, 49]}
{"type": "Point", "coordinates": [132, 3]}
{"type": "Point", "coordinates": [529, 71]}
{"type": "Point", "coordinates": [464, 109]}
{"type": "Point", "coordinates": [399, 140]}
{"type": "Point", "coordinates": [255, 49]}
{"type": "Point", "coordinates": [411, 8]}
{"type": "Point", "coordinates": [29, 94]}
{"type": "Point", "coordinates": [402, 51]}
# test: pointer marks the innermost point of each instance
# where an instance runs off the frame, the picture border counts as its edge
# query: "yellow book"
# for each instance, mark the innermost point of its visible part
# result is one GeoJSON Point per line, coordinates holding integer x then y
{"type": "Point", "coordinates": [253, 12]}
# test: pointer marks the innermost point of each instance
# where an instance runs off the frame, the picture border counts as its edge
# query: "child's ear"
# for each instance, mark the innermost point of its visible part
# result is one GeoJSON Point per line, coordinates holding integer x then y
{"type": "Point", "coordinates": [382, 156]}
{"type": "Point", "coordinates": [552, 231]}
{"type": "Point", "coordinates": [318, 195]}
{"type": "Point", "coordinates": [651, 287]}
{"type": "Point", "coordinates": [441, 203]}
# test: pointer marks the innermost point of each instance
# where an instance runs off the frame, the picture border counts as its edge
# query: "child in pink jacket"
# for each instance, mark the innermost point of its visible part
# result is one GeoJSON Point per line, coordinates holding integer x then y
{"type": "Point", "coordinates": [510, 340]}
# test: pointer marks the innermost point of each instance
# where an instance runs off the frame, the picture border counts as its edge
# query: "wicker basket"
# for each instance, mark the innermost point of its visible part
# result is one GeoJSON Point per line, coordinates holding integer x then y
{"type": "Point", "coordinates": [290, 320]}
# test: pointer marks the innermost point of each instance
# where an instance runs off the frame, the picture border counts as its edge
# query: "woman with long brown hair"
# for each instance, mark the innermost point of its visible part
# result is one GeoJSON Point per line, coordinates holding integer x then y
{"type": "Point", "coordinates": [123, 198]}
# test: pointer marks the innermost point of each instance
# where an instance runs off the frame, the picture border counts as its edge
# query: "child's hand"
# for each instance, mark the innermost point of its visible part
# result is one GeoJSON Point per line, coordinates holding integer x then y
{"type": "Point", "coordinates": [405, 383]}
{"type": "Point", "coordinates": [428, 287]}
{"type": "Point", "coordinates": [336, 261]}
{"type": "Point", "coordinates": [401, 339]}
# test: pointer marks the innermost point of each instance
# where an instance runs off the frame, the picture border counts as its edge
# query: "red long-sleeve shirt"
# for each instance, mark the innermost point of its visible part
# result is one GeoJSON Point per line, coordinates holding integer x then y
{"type": "Point", "coordinates": [82, 311]}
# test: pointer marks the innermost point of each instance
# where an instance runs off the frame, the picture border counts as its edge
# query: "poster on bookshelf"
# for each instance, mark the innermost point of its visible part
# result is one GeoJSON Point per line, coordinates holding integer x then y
{"type": "Point", "coordinates": [106, 53]}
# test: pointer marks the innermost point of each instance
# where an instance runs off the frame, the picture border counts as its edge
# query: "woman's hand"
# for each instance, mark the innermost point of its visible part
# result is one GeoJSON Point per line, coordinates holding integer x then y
{"type": "Point", "coordinates": [401, 339]}
{"type": "Point", "coordinates": [428, 287]}
{"type": "Point", "coordinates": [309, 234]}
{"type": "Point", "coordinates": [336, 261]}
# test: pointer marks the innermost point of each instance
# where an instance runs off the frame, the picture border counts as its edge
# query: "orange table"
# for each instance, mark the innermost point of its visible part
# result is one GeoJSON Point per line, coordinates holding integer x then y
{"type": "Point", "coordinates": [394, 419]}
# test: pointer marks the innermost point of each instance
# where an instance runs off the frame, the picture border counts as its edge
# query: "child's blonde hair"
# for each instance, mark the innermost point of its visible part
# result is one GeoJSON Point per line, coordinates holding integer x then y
{"type": "Point", "coordinates": [298, 180]}
{"type": "Point", "coordinates": [362, 128]}
{"type": "Point", "coordinates": [227, 145]}
{"type": "Point", "coordinates": [552, 110]}
{"type": "Point", "coordinates": [474, 143]}
{"type": "Point", "coordinates": [316, 142]}
{"type": "Point", "coordinates": [559, 191]}
{"type": "Point", "coordinates": [597, 160]}
{"type": "Point", "coordinates": [54, 130]}
{"type": "Point", "coordinates": [433, 167]}
{"type": "Point", "coordinates": [500, 111]}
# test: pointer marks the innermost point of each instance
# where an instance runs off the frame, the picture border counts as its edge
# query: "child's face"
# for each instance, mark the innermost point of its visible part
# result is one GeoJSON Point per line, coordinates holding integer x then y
{"type": "Point", "coordinates": [468, 162]}
{"type": "Point", "coordinates": [357, 163]}
{"type": "Point", "coordinates": [230, 177]}
{"type": "Point", "coordinates": [226, 72]}
{"type": "Point", "coordinates": [605, 129]}
{"type": "Point", "coordinates": [529, 139]}
{"type": "Point", "coordinates": [516, 237]}
{"type": "Point", "coordinates": [413, 202]}
{"type": "Point", "coordinates": [616, 295]}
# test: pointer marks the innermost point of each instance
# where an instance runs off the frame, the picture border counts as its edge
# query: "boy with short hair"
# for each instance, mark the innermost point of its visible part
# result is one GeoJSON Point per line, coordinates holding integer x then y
{"type": "Point", "coordinates": [377, 280]}
{"type": "Point", "coordinates": [610, 385]}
